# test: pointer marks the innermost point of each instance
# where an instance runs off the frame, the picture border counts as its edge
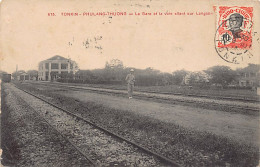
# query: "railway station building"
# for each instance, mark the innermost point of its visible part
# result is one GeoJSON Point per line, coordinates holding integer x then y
{"type": "Point", "coordinates": [55, 66]}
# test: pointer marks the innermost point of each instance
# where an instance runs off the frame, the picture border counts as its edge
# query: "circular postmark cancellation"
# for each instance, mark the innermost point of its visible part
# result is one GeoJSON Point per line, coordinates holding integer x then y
{"type": "Point", "coordinates": [233, 39]}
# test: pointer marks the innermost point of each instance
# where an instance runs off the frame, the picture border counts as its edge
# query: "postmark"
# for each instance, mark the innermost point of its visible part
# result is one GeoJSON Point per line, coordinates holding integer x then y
{"type": "Point", "coordinates": [233, 38]}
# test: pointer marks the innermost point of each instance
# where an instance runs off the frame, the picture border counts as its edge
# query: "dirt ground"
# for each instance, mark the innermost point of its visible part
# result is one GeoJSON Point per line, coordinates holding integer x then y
{"type": "Point", "coordinates": [239, 127]}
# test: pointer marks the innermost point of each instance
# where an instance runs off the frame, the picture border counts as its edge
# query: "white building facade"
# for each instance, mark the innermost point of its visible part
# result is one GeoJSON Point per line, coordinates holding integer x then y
{"type": "Point", "coordinates": [55, 66]}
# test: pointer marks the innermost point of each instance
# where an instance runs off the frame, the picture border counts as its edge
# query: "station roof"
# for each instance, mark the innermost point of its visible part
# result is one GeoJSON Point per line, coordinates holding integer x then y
{"type": "Point", "coordinates": [57, 57]}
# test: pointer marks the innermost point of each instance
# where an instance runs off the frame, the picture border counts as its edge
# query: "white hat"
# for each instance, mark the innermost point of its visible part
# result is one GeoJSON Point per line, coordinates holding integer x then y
{"type": "Point", "coordinates": [132, 70]}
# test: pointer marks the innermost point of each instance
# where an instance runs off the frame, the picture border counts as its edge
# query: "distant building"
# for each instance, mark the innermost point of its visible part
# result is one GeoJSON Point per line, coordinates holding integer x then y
{"type": "Point", "coordinates": [54, 67]}
{"type": "Point", "coordinates": [23, 76]}
{"type": "Point", "coordinates": [249, 76]}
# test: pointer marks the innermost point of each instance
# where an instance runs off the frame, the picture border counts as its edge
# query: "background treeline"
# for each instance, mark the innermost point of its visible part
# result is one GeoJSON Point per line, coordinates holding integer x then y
{"type": "Point", "coordinates": [115, 72]}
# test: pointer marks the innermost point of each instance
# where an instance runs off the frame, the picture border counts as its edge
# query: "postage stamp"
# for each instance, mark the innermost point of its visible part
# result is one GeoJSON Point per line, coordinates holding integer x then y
{"type": "Point", "coordinates": [233, 38]}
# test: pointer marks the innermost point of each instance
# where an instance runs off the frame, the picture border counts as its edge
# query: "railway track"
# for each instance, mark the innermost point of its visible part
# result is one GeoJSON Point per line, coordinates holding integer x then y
{"type": "Point", "coordinates": [162, 158]}
{"type": "Point", "coordinates": [242, 99]}
{"type": "Point", "coordinates": [90, 161]}
{"type": "Point", "coordinates": [155, 97]}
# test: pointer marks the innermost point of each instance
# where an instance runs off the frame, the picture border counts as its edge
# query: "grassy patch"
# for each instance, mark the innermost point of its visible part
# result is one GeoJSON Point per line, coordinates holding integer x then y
{"type": "Point", "coordinates": [239, 93]}
{"type": "Point", "coordinates": [174, 141]}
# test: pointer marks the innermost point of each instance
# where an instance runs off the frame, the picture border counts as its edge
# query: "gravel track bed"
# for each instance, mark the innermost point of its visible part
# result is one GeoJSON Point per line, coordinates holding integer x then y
{"type": "Point", "coordinates": [186, 147]}
{"type": "Point", "coordinates": [33, 142]}
{"type": "Point", "coordinates": [102, 148]}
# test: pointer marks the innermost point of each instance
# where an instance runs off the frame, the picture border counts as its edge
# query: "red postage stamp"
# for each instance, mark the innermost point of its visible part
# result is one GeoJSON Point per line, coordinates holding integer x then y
{"type": "Point", "coordinates": [234, 28]}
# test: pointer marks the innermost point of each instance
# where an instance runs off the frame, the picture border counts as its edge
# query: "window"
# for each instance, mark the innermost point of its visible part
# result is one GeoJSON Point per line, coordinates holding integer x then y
{"type": "Point", "coordinates": [253, 74]}
{"type": "Point", "coordinates": [54, 66]}
{"type": "Point", "coordinates": [64, 72]}
{"type": "Point", "coordinates": [46, 65]}
{"type": "Point", "coordinates": [64, 66]}
{"type": "Point", "coordinates": [251, 83]}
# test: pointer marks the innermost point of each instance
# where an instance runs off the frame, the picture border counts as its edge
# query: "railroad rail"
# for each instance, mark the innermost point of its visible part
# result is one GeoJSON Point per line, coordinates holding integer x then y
{"type": "Point", "coordinates": [91, 162]}
{"type": "Point", "coordinates": [151, 96]}
{"type": "Point", "coordinates": [160, 157]}
{"type": "Point", "coordinates": [192, 95]}
{"type": "Point", "coordinates": [244, 99]}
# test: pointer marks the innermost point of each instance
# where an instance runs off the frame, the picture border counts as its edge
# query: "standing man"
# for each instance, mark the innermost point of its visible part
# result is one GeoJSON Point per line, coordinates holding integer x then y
{"type": "Point", "coordinates": [130, 79]}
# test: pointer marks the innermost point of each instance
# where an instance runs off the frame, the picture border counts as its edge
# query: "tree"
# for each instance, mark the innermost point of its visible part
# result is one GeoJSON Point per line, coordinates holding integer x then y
{"type": "Point", "coordinates": [151, 71]}
{"type": "Point", "coordinates": [115, 63]}
{"type": "Point", "coordinates": [114, 70]}
{"type": "Point", "coordinates": [166, 79]}
{"type": "Point", "coordinates": [32, 73]}
{"type": "Point", "coordinates": [148, 77]}
{"type": "Point", "coordinates": [251, 68]}
{"type": "Point", "coordinates": [76, 66]}
{"type": "Point", "coordinates": [197, 78]}
{"type": "Point", "coordinates": [178, 76]}
{"type": "Point", "coordinates": [85, 75]}
{"type": "Point", "coordinates": [221, 75]}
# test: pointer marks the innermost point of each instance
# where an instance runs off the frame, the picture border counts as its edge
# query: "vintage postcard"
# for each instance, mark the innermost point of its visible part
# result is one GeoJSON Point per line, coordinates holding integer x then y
{"type": "Point", "coordinates": [130, 83]}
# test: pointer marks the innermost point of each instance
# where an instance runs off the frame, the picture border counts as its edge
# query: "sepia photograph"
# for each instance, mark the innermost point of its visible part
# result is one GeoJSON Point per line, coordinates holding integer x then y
{"type": "Point", "coordinates": [129, 83]}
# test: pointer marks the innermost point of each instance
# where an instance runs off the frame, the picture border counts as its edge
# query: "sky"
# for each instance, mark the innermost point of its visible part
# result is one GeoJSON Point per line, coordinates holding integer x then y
{"type": "Point", "coordinates": [164, 42]}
